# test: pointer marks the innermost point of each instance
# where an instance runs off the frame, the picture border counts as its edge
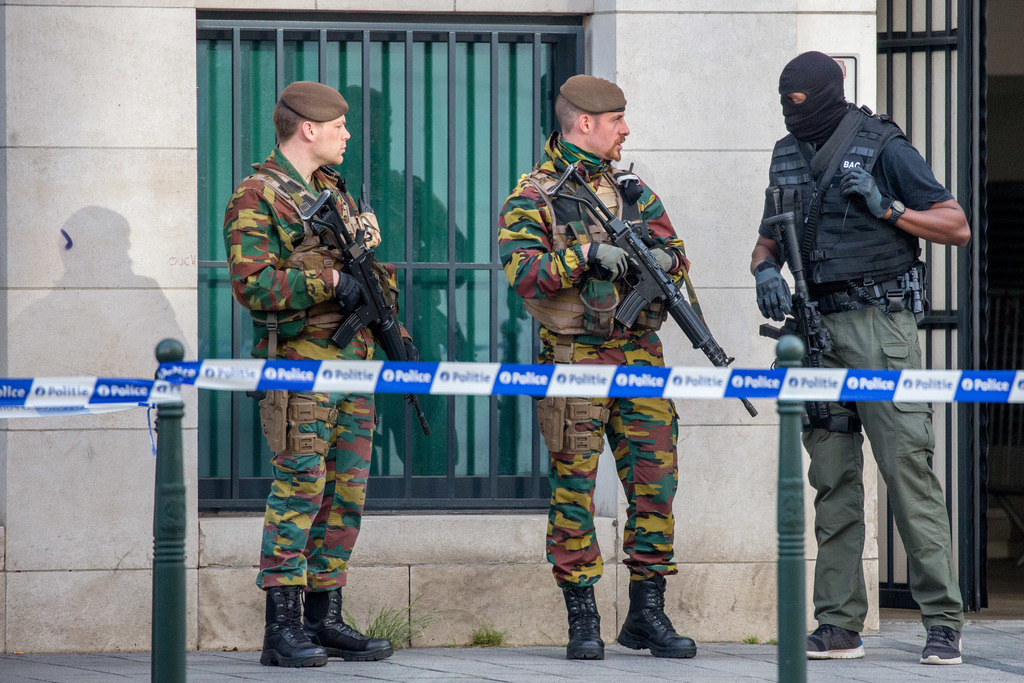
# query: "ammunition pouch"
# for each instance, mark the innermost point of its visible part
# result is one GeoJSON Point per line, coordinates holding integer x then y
{"type": "Point", "coordinates": [558, 417]}
{"type": "Point", "coordinates": [600, 299]}
{"type": "Point", "coordinates": [281, 412]}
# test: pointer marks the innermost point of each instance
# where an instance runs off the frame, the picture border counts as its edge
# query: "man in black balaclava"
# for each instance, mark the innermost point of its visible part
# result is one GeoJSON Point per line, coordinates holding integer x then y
{"type": "Point", "coordinates": [820, 80]}
{"type": "Point", "coordinates": [863, 196]}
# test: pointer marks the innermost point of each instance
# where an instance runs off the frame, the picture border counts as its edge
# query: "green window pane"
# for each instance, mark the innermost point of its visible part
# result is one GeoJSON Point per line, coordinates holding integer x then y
{"type": "Point", "coordinates": [213, 71]}
{"type": "Point", "coordinates": [515, 447]}
{"type": "Point", "coordinates": [515, 107]}
{"type": "Point", "coordinates": [301, 61]}
{"type": "Point", "coordinates": [472, 315]}
{"type": "Point", "coordinates": [387, 146]}
{"type": "Point", "coordinates": [256, 136]}
{"type": "Point", "coordinates": [472, 435]}
{"type": "Point", "coordinates": [344, 72]}
{"type": "Point", "coordinates": [427, 300]}
{"type": "Point", "coordinates": [389, 440]}
{"type": "Point", "coordinates": [215, 332]}
{"type": "Point", "coordinates": [430, 152]}
{"type": "Point", "coordinates": [515, 326]}
{"type": "Point", "coordinates": [472, 202]}
{"type": "Point", "coordinates": [254, 454]}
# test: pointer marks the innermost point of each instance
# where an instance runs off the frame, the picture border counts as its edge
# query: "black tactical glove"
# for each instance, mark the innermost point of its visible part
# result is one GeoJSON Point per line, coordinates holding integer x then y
{"type": "Point", "coordinates": [610, 258]}
{"type": "Point", "coordinates": [773, 297]}
{"type": "Point", "coordinates": [411, 352]}
{"type": "Point", "coordinates": [859, 181]}
{"type": "Point", "coordinates": [348, 292]}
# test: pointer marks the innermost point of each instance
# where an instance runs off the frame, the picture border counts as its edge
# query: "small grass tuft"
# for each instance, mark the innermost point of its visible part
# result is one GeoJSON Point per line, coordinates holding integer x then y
{"type": "Point", "coordinates": [395, 624]}
{"type": "Point", "coordinates": [773, 641]}
{"type": "Point", "coordinates": [751, 640]}
{"type": "Point", "coordinates": [487, 636]}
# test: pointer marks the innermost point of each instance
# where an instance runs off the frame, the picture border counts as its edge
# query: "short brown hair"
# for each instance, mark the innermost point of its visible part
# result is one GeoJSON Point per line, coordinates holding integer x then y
{"type": "Point", "coordinates": [286, 121]}
{"type": "Point", "coordinates": [567, 113]}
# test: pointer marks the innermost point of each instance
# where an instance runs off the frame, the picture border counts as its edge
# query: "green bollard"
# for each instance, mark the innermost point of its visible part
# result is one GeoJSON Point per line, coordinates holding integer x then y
{"type": "Point", "coordinates": [168, 634]}
{"type": "Point", "coordinates": [792, 619]}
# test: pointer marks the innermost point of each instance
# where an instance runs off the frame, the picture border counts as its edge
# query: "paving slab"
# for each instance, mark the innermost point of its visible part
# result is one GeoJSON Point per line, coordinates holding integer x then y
{"type": "Point", "coordinates": [993, 651]}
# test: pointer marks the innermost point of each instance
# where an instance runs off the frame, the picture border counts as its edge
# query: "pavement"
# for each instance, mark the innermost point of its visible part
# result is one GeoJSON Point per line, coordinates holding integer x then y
{"type": "Point", "coordinates": [993, 651]}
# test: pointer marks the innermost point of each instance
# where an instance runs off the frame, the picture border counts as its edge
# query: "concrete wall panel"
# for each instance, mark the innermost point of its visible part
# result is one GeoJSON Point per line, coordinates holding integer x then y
{"type": "Point", "coordinates": [105, 332]}
{"type": "Point", "coordinates": [134, 228]}
{"type": "Point", "coordinates": [88, 95]}
{"type": "Point", "coordinates": [86, 503]}
{"type": "Point", "coordinates": [702, 94]}
{"type": "Point", "coordinates": [521, 599]}
{"type": "Point", "coordinates": [103, 611]}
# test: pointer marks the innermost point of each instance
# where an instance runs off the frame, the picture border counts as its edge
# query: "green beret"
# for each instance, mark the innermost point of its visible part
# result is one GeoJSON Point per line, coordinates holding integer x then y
{"type": "Point", "coordinates": [314, 101]}
{"type": "Point", "coordinates": [594, 95]}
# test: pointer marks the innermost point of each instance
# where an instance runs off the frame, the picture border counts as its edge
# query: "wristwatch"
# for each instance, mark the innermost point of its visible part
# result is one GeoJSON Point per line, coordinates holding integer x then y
{"type": "Point", "coordinates": [898, 208]}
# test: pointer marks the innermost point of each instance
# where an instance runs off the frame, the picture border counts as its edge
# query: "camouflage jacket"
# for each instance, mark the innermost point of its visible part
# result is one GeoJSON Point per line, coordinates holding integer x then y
{"type": "Point", "coordinates": [261, 229]}
{"type": "Point", "coordinates": [534, 267]}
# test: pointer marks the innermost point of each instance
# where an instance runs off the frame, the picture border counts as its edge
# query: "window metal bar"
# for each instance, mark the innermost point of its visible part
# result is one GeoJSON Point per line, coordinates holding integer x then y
{"type": "Point", "coordinates": [279, 62]}
{"type": "Point", "coordinates": [538, 136]}
{"type": "Point", "coordinates": [492, 281]}
{"type": "Point", "coordinates": [364, 55]}
{"type": "Point", "coordinates": [234, 463]}
{"type": "Point", "coordinates": [450, 204]}
{"type": "Point", "coordinates": [408, 283]}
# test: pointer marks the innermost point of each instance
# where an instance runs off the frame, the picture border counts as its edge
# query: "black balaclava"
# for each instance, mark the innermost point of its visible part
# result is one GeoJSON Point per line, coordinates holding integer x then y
{"type": "Point", "coordinates": [820, 78]}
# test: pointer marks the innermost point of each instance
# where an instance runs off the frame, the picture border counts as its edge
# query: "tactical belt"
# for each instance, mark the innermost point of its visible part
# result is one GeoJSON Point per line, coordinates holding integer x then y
{"type": "Point", "coordinates": [889, 294]}
{"type": "Point", "coordinates": [843, 424]}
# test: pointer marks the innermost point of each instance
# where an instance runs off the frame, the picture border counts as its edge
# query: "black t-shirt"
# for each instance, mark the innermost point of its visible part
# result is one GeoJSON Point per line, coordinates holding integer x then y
{"type": "Point", "coordinates": [901, 172]}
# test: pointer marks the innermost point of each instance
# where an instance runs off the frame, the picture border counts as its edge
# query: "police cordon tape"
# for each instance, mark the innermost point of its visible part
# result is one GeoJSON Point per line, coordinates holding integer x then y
{"type": "Point", "coordinates": [615, 381]}
{"type": "Point", "coordinates": [47, 396]}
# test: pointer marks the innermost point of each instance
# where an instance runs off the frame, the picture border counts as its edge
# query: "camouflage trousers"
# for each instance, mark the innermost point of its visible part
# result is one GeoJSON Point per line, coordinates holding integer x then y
{"type": "Point", "coordinates": [315, 505]}
{"type": "Point", "coordinates": [642, 435]}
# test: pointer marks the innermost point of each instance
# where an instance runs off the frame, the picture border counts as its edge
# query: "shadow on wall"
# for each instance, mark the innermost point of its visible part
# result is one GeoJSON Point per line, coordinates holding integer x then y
{"type": "Point", "coordinates": [99, 317]}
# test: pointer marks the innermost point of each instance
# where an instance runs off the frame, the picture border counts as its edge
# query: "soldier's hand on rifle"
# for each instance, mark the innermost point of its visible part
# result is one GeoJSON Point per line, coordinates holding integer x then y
{"type": "Point", "coordinates": [347, 291]}
{"type": "Point", "coordinates": [859, 181]}
{"type": "Point", "coordinates": [411, 352]}
{"type": "Point", "coordinates": [664, 259]}
{"type": "Point", "coordinates": [609, 257]}
{"type": "Point", "coordinates": [773, 297]}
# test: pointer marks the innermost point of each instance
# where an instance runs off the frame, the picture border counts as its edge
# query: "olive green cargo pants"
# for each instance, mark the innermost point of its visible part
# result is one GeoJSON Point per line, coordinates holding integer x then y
{"type": "Point", "coordinates": [902, 442]}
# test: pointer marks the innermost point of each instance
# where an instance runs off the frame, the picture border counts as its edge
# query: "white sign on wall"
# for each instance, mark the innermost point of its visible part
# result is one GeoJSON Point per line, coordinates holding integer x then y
{"type": "Point", "coordinates": [848, 63]}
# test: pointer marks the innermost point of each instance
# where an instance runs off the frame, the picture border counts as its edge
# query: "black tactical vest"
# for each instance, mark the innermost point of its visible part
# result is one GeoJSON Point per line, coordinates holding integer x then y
{"type": "Point", "coordinates": [850, 243]}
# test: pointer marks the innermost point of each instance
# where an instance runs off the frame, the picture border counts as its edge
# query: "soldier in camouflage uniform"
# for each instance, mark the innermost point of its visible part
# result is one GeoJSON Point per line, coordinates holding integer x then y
{"type": "Point", "coordinates": [558, 258]}
{"type": "Point", "coordinates": [298, 296]}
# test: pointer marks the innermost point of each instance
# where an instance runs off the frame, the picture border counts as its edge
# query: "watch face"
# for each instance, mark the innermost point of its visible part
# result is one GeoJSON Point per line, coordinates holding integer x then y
{"type": "Point", "coordinates": [897, 205]}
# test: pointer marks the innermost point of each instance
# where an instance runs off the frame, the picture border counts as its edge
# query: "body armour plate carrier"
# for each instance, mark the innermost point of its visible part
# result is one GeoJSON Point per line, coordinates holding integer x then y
{"type": "Point", "coordinates": [309, 255]}
{"type": "Point", "coordinates": [850, 243]}
{"type": "Point", "coordinates": [590, 307]}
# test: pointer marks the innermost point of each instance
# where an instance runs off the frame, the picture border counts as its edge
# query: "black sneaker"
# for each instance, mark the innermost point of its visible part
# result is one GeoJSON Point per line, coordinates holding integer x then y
{"type": "Point", "coordinates": [833, 642]}
{"type": "Point", "coordinates": [943, 646]}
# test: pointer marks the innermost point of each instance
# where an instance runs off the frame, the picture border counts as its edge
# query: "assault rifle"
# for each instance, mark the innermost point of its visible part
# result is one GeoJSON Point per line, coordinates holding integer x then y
{"type": "Point", "coordinates": [648, 282]}
{"type": "Point", "coordinates": [373, 311]}
{"type": "Point", "coordinates": [806, 318]}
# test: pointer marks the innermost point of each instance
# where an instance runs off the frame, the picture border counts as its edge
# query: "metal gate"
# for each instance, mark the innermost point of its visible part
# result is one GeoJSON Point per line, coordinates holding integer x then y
{"type": "Point", "coordinates": [453, 113]}
{"type": "Point", "coordinates": [931, 81]}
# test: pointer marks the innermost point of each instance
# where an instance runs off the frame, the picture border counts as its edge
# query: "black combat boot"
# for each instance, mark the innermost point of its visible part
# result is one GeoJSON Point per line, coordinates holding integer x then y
{"type": "Point", "coordinates": [584, 624]}
{"type": "Point", "coordinates": [648, 627]}
{"type": "Point", "coordinates": [284, 641]}
{"type": "Point", "coordinates": [325, 627]}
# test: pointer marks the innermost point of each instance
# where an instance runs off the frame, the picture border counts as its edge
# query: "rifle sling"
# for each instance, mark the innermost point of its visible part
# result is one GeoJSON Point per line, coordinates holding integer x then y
{"type": "Point", "coordinates": [828, 158]}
